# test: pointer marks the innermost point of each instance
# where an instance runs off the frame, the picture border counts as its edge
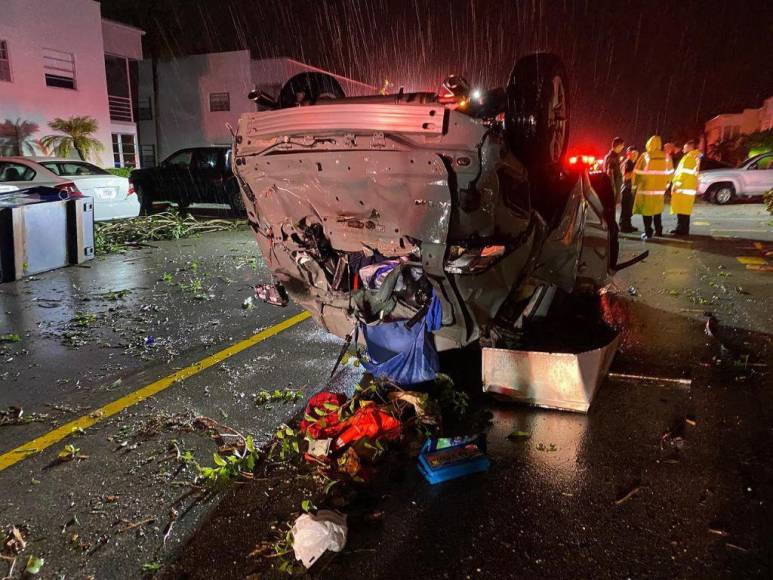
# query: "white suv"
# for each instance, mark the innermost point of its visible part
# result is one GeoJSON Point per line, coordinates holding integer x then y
{"type": "Point", "coordinates": [752, 178]}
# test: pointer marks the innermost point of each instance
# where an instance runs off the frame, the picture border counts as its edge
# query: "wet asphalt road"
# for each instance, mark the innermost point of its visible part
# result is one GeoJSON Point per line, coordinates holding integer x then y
{"type": "Point", "coordinates": [701, 496]}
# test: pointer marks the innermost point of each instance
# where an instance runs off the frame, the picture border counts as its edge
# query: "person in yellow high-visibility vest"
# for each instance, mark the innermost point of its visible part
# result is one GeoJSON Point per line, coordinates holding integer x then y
{"type": "Point", "coordinates": [651, 176]}
{"type": "Point", "coordinates": [684, 188]}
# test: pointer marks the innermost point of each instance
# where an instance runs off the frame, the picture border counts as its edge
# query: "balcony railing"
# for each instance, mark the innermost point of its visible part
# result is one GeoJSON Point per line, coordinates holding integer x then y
{"type": "Point", "coordinates": [120, 108]}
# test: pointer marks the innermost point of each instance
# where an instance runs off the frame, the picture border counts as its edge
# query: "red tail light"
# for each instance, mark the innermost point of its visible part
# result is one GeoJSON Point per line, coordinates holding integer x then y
{"type": "Point", "coordinates": [131, 189]}
{"type": "Point", "coordinates": [581, 161]}
{"type": "Point", "coordinates": [69, 189]}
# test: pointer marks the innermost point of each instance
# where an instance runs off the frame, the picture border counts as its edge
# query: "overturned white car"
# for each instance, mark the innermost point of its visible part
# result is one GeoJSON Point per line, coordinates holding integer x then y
{"type": "Point", "coordinates": [369, 208]}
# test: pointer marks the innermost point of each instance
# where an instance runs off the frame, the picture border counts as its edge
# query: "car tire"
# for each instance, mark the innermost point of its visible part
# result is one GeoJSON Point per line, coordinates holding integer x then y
{"type": "Point", "coordinates": [146, 203]}
{"type": "Point", "coordinates": [313, 85]}
{"type": "Point", "coordinates": [722, 193]}
{"type": "Point", "coordinates": [537, 112]}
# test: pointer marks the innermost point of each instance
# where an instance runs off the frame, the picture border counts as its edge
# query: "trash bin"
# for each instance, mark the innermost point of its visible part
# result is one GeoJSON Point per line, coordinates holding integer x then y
{"type": "Point", "coordinates": [555, 380]}
{"type": "Point", "coordinates": [38, 234]}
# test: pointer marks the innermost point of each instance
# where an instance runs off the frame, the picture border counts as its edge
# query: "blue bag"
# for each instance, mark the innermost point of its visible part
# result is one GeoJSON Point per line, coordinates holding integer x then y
{"type": "Point", "coordinates": [404, 355]}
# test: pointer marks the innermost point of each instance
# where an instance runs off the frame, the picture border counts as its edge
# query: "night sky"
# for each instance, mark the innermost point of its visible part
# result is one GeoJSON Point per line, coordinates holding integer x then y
{"type": "Point", "coordinates": [635, 67]}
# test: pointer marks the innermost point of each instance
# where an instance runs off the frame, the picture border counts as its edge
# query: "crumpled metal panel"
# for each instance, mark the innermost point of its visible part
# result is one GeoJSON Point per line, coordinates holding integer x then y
{"type": "Point", "coordinates": [593, 263]}
{"type": "Point", "coordinates": [361, 198]}
{"type": "Point", "coordinates": [564, 381]}
{"type": "Point", "coordinates": [557, 262]}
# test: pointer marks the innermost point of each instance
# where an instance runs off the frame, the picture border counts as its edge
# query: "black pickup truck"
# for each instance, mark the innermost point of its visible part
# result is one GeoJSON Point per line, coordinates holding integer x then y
{"type": "Point", "coordinates": [194, 175]}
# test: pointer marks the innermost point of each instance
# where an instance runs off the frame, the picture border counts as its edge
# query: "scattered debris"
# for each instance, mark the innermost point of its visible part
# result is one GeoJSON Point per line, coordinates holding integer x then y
{"type": "Point", "coordinates": [114, 295]}
{"type": "Point", "coordinates": [111, 237]}
{"type": "Point", "coordinates": [519, 435]}
{"type": "Point", "coordinates": [313, 535]}
{"type": "Point", "coordinates": [288, 442]}
{"type": "Point", "coordinates": [10, 338]}
{"type": "Point", "coordinates": [14, 542]}
{"type": "Point", "coordinates": [228, 440]}
{"type": "Point", "coordinates": [632, 492]}
{"type": "Point", "coordinates": [34, 565]}
{"type": "Point", "coordinates": [151, 568]}
{"type": "Point", "coordinates": [319, 448]}
{"type": "Point", "coordinates": [712, 325]}
{"type": "Point", "coordinates": [249, 303]}
{"type": "Point", "coordinates": [718, 532]}
{"type": "Point", "coordinates": [285, 395]}
{"type": "Point", "coordinates": [649, 378]}
{"type": "Point", "coordinates": [11, 565]}
{"type": "Point", "coordinates": [69, 453]}
{"type": "Point", "coordinates": [84, 319]}
{"type": "Point", "coordinates": [633, 291]}
{"type": "Point", "coordinates": [168, 530]}
{"type": "Point", "coordinates": [237, 464]}
{"type": "Point", "coordinates": [451, 399]}
{"type": "Point", "coordinates": [131, 526]}
{"type": "Point", "coordinates": [427, 410]}
{"type": "Point", "coordinates": [16, 416]}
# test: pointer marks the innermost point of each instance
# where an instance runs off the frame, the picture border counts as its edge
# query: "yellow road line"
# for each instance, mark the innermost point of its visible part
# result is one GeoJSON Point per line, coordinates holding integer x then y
{"type": "Point", "coordinates": [751, 260]}
{"type": "Point", "coordinates": [55, 436]}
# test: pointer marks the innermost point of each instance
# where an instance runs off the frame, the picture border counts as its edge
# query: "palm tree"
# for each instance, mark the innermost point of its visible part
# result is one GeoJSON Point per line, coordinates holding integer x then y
{"type": "Point", "coordinates": [15, 137]}
{"type": "Point", "coordinates": [78, 133]}
{"type": "Point", "coordinates": [728, 150]}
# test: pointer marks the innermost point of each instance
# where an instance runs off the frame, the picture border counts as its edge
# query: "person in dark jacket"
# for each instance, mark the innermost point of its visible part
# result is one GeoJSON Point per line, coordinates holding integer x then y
{"type": "Point", "coordinates": [612, 167]}
{"type": "Point", "coordinates": [626, 202]}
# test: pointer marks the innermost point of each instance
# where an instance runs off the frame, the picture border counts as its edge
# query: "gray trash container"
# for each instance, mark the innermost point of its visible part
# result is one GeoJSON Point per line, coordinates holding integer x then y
{"type": "Point", "coordinates": [37, 235]}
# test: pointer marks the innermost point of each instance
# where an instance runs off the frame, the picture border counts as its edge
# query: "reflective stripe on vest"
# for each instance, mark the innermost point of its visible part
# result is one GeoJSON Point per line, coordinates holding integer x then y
{"type": "Point", "coordinates": [653, 172]}
{"type": "Point", "coordinates": [684, 169]}
{"type": "Point", "coordinates": [649, 192]}
{"type": "Point", "coordinates": [686, 191]}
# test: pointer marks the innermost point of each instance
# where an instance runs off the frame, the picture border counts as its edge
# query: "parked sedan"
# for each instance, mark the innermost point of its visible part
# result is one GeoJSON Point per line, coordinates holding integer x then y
{"type": "Point", "coordinates": [113, 196]}
{"type": "Point", "coordinates": [753, 178]}
{"type": "Point", "coordinates": [188, 176]}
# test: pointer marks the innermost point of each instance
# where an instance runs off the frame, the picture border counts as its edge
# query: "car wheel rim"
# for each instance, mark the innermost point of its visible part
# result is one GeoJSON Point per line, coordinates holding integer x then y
{"type": "Point", "coordinates": [724, 195]}
{"type": "Point", "coordinates": [557, 119]}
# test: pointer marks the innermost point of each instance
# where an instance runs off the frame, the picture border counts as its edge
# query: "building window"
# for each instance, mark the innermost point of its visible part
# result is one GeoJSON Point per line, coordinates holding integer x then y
{"type": "Point", "coordinates": [5, 62]}
{"type": "Point", "coordinates": [219, 102]}
{"type": "Point", "coordinates": [144, 110]}
{"type": "Point", "coordinates": [59, 68]}
{"type": "Point", "coordinates": [118, 88]}
{"type": "Point", "coordinates": [148, 155]}
{"type": "Point", "coordinates": [124, 150]}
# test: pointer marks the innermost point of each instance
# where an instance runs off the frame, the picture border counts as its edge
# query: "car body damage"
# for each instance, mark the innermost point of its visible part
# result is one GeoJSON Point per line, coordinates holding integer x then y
{"type": "Point", "coordinates": [367, 207]}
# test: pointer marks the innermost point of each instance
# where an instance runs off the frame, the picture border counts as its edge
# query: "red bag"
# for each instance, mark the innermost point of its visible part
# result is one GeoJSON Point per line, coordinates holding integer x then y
{"type": "Point", "coordinates": [369, 422]}
{"type": "Point", "coordinates": [327, 425]}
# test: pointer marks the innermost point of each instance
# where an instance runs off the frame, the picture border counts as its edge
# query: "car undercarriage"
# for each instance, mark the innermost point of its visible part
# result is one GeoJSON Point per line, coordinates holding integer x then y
{"type": "Point", "coordinates": [367, 209]}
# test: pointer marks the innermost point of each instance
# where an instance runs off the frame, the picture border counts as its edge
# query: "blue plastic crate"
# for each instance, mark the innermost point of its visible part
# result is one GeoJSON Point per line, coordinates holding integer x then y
{"type": "Point", "coordinates": [443, 460]}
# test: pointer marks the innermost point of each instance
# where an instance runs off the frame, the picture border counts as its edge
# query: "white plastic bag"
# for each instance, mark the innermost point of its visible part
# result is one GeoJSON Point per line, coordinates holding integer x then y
{"type": "Point", "coordinates": [313, 534]}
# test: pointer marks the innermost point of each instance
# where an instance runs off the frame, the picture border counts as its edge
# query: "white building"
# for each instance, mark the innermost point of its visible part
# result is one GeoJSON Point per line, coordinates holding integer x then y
{"type": "Point", "coordinates": [732, 125]}
{"type": "Point", "coordinates": [60, 58]}
{"type": "Point", "coordinates": [199, 95]}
